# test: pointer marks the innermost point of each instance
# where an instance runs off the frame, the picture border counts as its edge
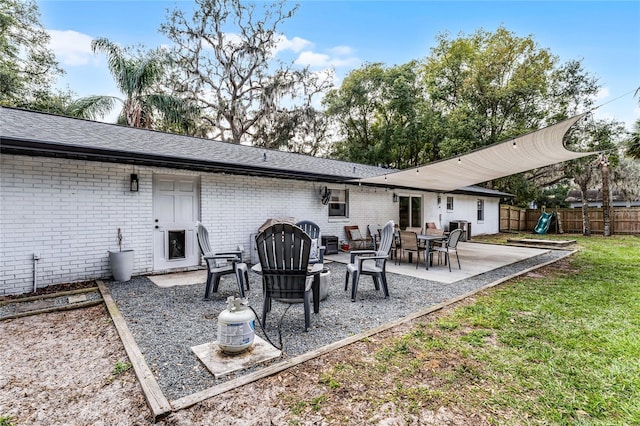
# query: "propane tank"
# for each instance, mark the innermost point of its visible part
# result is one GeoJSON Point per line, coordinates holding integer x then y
{"type": "Point", "coordinates": [236, 326]}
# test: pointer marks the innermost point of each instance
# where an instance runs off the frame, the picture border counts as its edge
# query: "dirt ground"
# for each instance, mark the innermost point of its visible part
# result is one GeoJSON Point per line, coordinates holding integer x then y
{"type": "Point", "coordinates": [65, 368]}
{"type": "Point", "coordinates": [59, 369]}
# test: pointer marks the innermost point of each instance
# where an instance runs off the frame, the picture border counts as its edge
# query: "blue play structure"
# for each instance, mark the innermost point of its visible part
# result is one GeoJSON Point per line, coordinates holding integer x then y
{"type": "Point", "coordinates": [543, 223]}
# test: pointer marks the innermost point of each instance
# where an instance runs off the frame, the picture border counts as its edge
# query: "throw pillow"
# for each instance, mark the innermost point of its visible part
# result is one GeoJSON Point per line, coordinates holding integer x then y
{"type": "Point", "coordinates": [313, 253]}
{"type": "Point", "coordinates": [355, 234]}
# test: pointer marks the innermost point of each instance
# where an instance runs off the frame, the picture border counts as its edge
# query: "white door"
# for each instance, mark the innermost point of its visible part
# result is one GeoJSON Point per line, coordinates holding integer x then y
{"type": "Point", "coordinates": [176, 208]}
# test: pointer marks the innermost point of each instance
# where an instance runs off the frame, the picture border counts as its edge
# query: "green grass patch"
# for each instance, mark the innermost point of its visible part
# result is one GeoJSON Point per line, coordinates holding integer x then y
{"type": "Point", "coordinates": [119, 368]}
{"type": "Point", "coordinates": [6, 421]}
{"type": "Point", "coordinates": [559, 349]}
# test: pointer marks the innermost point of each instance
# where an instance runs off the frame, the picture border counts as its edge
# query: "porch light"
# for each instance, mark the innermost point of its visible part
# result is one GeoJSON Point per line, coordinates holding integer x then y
{"type": "Point", "coordinates": [133, 185]}
{"type": "Point", "coordinates": [395, 197]}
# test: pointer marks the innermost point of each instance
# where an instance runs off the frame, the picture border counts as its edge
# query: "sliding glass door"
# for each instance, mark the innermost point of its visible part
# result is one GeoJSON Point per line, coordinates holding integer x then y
{"type": "Point", "coordinates": [410, 213]}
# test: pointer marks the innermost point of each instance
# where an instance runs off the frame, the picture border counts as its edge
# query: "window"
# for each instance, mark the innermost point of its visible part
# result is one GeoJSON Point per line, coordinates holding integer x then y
{"type": "Point", "coordinates": [480, 210]}
{"type": "Point", "coordinates": [410, 209]}
{"type": "Point", "coordinates": [450, 203]}
{"type": "Point", "coordinates": [338, 203]}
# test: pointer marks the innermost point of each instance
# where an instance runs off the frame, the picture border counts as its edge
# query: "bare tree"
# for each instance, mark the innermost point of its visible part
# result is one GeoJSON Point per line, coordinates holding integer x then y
{"type": "Point", "coordinates": [225, 62]}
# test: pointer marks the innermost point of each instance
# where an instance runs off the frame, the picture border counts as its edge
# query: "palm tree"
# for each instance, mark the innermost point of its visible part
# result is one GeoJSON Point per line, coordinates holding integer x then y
{"type": "Point", "coordinates": [137, 77]}
{"type": "Point", "coordinates": [633, 143]}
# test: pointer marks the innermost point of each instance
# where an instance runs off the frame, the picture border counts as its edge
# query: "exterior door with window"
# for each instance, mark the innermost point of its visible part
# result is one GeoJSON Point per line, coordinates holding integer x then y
{"type": "Point", "coordinates": [410, 212]}
{"type": "Point", "coordinates": [176, 208]}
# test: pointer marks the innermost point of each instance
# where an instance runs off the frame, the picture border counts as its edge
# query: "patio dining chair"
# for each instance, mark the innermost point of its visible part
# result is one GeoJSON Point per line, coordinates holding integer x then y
{"type": "Point", "coordinates": [409, 243]}
{"type": "Point", "coordinates": [371, 262]}
{"type": "Point", "coordinates": [219, 264]}
{"type": "Point", "coordinates": [284, 250]}
{"type": "Point", "coordinates": [430, 228]}
{"type": "Point", "coordinates": [450, 245]}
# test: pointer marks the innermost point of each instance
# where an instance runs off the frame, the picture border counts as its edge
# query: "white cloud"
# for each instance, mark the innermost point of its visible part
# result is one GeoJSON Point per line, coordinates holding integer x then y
{"type": "Point", "coordinates": [71, 47]}
{"type": "Point", "coordinates": [603, 93]}
{"type": "Point", "coordinates": [295, 44]}
{"type": "Point", "coordinates": [338, 57]}
{"type": "Point", "coordinates": [231, 38]}
{"type": "Point", "coordinates": [342, 51]}
{"type": "Point", "coordinates": [313, 59]}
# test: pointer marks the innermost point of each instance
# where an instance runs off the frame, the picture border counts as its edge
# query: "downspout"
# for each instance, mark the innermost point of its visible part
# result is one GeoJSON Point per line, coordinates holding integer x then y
{"type": "Point", "coordinates": [36, 257]}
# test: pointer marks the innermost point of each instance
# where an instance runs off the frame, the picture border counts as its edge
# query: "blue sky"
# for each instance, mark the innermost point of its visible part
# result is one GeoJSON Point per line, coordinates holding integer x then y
{"type": "Point", "coordinates": [604, 35]}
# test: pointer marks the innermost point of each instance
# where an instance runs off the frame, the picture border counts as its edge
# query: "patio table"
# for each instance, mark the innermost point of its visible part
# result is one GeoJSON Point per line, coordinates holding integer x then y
{"type": "Point", "coordinates": [315, 270]}
{"type": "Point", "coordinates": [428, 239]}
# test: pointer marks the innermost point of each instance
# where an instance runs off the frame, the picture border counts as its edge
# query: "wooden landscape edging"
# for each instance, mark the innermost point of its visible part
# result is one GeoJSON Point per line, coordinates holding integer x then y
{"type": "Point", "coordinates": [158, 403]}
{"type": "Point", "coordinates": [197, 397]}
{"type": "Point", "coordinates": [54, 309]}
{"type": "Point", "coordinates": [48, 296]}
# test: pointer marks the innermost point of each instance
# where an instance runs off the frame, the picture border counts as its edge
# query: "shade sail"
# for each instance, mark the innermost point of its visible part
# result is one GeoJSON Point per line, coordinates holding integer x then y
{"type": "Point", "coordinates": [536, 149]}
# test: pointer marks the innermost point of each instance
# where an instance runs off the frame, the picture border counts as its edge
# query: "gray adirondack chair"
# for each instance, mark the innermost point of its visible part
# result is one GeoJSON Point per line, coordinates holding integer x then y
{"type": "Point", "coordinates": [284, 250]}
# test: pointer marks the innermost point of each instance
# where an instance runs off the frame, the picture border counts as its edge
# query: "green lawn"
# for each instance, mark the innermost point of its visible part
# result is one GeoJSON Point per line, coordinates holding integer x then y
{"type": "Point", "coordinates": [561, 347]}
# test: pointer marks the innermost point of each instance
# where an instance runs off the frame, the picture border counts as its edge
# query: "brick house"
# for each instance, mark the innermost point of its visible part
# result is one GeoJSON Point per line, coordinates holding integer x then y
{"type": "Point", "coordinates": [67, 185]}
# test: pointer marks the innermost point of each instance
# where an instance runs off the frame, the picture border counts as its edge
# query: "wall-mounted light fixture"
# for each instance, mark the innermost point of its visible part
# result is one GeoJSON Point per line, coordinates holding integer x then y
{"type": "Point", "coordinates": [395, 197]}
{"type": "Point", "coordinates": [133, 184]}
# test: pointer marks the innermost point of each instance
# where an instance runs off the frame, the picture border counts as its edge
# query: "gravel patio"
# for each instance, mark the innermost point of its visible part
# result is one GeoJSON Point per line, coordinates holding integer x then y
{"type": "Point", "coordinates": [166, 322]}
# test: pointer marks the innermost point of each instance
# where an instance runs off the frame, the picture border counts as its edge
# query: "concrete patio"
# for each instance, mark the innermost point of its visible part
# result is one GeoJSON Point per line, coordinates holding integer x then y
{"type": "Point", "coordinates": [475, 259]}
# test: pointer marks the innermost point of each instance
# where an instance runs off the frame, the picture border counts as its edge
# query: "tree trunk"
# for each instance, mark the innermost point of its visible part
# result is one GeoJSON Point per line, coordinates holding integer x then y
{"type": "Point", "coordinates": [586, 225]}
{"type": "Point", "coordinates": [606, 205]}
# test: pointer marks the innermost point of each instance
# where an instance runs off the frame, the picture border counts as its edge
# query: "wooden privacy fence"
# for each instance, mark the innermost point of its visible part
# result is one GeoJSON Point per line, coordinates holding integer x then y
{"type": "Point", "coordinates": [624, 220]}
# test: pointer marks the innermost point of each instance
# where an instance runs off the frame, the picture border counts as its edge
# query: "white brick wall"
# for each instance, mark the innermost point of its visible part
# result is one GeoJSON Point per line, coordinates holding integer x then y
{"type": "Point", "coordinates": [68, 212]}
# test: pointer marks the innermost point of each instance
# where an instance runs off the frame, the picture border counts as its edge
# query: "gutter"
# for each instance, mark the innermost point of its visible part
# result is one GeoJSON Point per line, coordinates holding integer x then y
{"type": "Point", "coordinates": [46, 149]}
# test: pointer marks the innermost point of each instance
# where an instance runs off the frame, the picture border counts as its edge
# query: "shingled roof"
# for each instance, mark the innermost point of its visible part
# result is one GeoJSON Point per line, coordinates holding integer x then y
{"type": "Point", "coordinates": [41, 134]}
